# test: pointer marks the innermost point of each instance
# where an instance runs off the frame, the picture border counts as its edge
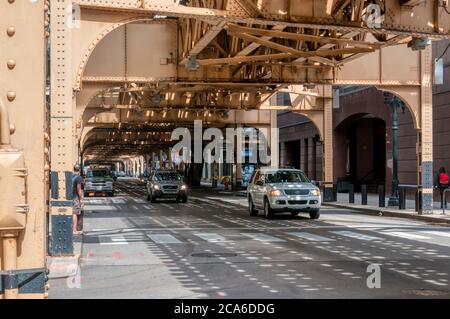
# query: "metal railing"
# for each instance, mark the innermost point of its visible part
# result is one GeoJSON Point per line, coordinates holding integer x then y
{"type": "Point", "coordinates": [402, 188]}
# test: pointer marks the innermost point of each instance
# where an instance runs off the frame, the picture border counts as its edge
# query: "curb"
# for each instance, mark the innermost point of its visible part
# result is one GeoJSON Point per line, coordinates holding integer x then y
{"type": "Point", "coordinates": [389, 213]}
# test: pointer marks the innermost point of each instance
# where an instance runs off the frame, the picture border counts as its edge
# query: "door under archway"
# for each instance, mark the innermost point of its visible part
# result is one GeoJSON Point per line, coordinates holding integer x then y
{"type": "Point", "coordinates": [365, 150]}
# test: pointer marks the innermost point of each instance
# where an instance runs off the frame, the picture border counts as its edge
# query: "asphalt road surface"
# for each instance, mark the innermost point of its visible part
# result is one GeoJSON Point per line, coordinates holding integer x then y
{"type": "Point", "coordinates": [211, 248]}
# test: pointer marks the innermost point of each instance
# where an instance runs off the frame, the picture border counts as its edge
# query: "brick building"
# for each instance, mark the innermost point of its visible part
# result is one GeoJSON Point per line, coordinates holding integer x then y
{"type": "Point", "coordinates": [362, 136]}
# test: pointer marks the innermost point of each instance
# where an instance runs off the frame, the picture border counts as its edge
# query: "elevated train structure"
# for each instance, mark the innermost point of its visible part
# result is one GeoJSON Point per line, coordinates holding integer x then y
{"type": "Point", "coordinates": [124, 70]}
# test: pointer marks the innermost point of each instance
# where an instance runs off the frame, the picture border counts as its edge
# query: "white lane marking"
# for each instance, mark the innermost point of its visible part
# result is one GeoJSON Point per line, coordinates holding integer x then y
{"type": "Point", "coordinates": [168, 206]}
{"type": "Point", "coordinates": [210, 237]}
{"type": "Point", "coordinates": [311, 237]}
{"type": "Point", "coordinates": [158, 222]}
{"type": "Point", "coordinates": [163, 239]}
{"type": "Point", "coordinates": [405, 235]}
{"type": "Point", "coordinates": [112, 240]}
{"type": "Point", "coordinates": [437, 233]}
{"type": "Point", "coordinates": [355, 235]}
{"type": "Point", "coordinates": [405, 273]}
{"type": "Point", "coordinates": [262, 237]}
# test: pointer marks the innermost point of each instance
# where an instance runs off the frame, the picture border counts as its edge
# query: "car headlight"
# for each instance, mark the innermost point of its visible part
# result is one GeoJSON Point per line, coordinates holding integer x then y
{"type": "Point", "coordinates": [183, 187]}
{"type": "Point", "coordinates": [275, 192]}
{"type": "Point", "coordinates": [315, 192]}
{"type": "Point", "coordinates": [156, 186]}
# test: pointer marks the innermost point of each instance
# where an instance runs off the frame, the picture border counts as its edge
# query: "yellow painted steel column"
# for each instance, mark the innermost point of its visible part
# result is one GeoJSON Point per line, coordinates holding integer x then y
{"type": "Point", "coordinates": [426, 134]}
{"type": "Point", "coordinates": [9, 245]}
{"type": "Point", "coordinates": [328, 142]}
{"type": "Point", "coordinates": [61, 127]}
{"type": "Point", "coordinates": [22, 92]}
{"type": "Point", "coordinates": [274, 137]}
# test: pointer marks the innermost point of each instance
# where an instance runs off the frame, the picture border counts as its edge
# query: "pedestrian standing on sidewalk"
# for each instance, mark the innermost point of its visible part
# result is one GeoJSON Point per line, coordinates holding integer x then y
{"type": "Point", "coordinates": [78, 200]}
{"type": "Point", "coordinates": [442, 183]}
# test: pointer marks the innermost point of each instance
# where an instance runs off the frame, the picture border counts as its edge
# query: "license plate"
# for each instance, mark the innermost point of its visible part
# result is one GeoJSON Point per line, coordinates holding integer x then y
{"type": "Point", "coordinates": [99, 188]}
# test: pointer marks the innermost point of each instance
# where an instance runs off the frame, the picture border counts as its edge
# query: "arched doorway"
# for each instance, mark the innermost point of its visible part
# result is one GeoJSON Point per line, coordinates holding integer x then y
{"type": "Point", "coordinates": [363, 137]}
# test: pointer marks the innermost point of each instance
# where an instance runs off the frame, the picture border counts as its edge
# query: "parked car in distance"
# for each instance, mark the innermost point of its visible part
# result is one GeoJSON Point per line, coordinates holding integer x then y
{"type": "Point", "coordinates": [274, 190]}
{"type": "Point", "coordinates": [121, 174]}
{"type": "Point", "coordinates": [98, 181]}
{"type": "Point", "coordinates": [166, 184]}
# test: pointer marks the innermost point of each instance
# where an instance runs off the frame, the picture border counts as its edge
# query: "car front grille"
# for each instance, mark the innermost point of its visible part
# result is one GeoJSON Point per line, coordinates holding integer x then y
{"type": "Point", "coordinates": [170, 187]}
{"type": "Point", "coordinates": [296, 191]}
{"type": "Point", "coordinates": [297, 202]}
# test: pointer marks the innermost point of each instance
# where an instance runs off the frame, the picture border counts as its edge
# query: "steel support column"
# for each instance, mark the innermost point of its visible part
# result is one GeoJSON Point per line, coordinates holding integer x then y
{"type": "Point", "coordinates": [274, 138]}
{"type": "Point", "coordinates": [426, 132]}
{"type": "Point", "coordinates": [328, 143]}
{"type": "Point", "coordinates": [22, 100]}
{"type": "Point", "coordinates": [61, 127]}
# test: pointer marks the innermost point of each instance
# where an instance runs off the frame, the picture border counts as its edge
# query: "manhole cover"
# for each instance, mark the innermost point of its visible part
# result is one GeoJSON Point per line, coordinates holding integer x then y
{"type": "Point", "coordinates": [425, 292]}
{"type": "Point", "coordinates": [214, 255]}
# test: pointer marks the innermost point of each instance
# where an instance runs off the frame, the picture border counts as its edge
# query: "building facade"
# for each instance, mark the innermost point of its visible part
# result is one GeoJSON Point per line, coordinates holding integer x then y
{"type": "Point", "coordinates": [362, 125]}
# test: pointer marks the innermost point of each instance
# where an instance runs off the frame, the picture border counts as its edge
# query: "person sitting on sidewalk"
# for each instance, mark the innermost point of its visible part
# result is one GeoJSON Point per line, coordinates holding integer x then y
{"type": "Point", "coordinates": [442, 183]}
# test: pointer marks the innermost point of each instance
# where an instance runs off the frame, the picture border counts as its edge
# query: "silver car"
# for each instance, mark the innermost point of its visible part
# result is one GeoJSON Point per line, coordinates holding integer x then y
{"type": "Point", "coordinates": [166, 184]}
{"type": "Point", "coordinates": [99, 181]}
{"type": "Point", "coordinates": [275, 190]}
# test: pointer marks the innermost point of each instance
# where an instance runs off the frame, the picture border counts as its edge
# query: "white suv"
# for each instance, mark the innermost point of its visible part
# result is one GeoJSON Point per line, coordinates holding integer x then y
{"type": "Point", "coordinates": [282, 190]}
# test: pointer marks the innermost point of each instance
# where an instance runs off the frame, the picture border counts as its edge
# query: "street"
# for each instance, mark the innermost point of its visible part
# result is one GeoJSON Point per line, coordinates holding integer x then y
{"type": "Point", "coordinates": [210, 247]}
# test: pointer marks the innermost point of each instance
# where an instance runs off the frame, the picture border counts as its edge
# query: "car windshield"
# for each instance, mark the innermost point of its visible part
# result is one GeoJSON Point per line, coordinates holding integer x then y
{"type": "Point", "coordinates": [286, 177]}
{"type": "Point", "coordinates": [168, 176]}
{"type": "Point", "coordinates": [97, 173]}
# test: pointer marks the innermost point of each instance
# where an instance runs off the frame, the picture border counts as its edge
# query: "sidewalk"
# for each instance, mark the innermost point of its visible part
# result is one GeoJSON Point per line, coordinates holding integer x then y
{"type": "Point", "coordinates": [372, 208]}
{"type": "Point", "coordinates": [63, 267]}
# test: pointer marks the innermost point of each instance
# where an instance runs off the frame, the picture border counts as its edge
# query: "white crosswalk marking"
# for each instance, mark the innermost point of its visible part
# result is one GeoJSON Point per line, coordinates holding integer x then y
{"type": "Point", "coordinates": [309, 236]}
{"type": "Point", "coordinates": [262, 237]}
{"type": "Point", "coordinates": [112, 240]}
{"type": "Point", "coordinates": [163, 239]}
{"type": "Point", "coordinates": [210, 237]}
{"type": "Point", "coordinates": [434, 282]}
{"type": "Point", "coordinates": [405, 235]}
{"type": "Point", "coordinates": [356, 235]}
{"type": "Point", "coordinates": [437, 233]}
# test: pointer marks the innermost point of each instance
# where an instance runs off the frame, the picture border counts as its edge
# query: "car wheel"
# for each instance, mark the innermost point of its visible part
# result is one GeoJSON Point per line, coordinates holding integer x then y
{"type": "Point", "coordinates": [268, 212]}
{"type": "Point", "coordinates": [315, 214]}
{"type": "Point", "coordinates": [184, 199]}
{"type": "Point", "coordinates": [294, 213]}
{"type": "Point", "coordinates": [251, 207]}
{"type": "Point", "coordinates": [152, 199]}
